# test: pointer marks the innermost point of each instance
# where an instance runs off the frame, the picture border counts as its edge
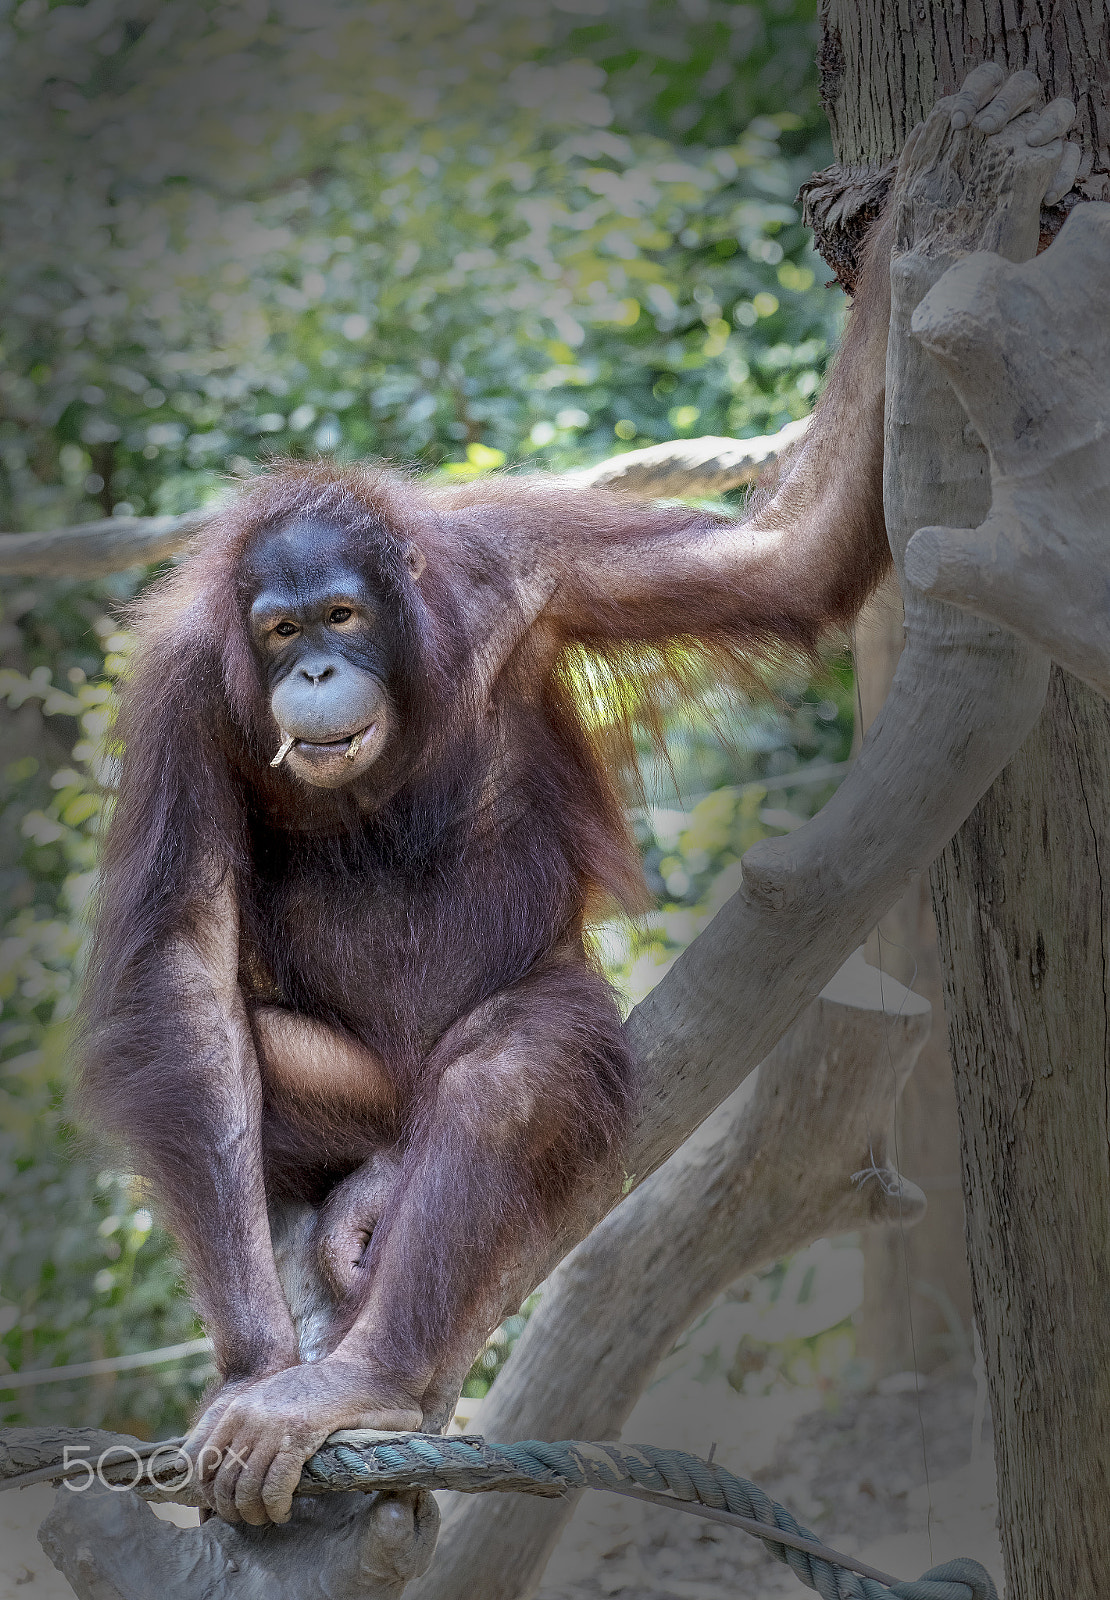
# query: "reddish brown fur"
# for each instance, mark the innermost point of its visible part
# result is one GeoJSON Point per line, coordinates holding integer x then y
{"type": "Point", "coordinates": [432, 914]}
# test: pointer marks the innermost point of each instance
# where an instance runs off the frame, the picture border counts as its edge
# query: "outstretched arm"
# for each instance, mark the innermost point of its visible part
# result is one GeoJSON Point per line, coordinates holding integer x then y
{"type": "Point", "coordinates": [599, 567]}
{"type": "Point", "coordinates": [603, 569]}
{"type": "Point", "coordinates": [804, 559]}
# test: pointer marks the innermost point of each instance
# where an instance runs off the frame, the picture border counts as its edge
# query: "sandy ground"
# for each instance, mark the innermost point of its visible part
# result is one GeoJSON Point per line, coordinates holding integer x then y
{"type": "Point", "coordinates": [851, 1468]}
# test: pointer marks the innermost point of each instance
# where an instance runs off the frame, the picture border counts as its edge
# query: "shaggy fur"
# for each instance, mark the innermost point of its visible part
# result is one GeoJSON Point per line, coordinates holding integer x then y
{"type": "Point", "coordinates": [428, 917]}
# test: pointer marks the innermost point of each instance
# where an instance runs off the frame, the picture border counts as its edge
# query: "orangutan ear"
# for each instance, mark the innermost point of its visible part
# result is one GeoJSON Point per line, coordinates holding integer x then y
{"type": "Point", "coordinates": [414, 560]}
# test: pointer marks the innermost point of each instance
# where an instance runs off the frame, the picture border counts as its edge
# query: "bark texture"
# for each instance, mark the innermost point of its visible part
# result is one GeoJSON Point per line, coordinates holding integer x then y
{"type": "Point", "coordinates": [839, 205]}
{"type": "Point", "coordinates": [1020, 904]}
{"type": "Point", "coordinates": [885, 63]}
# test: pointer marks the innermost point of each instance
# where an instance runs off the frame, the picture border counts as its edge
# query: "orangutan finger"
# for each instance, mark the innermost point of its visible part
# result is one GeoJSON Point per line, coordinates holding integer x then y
{"type": "Point", "coordinates": [279, 1483]}
{"type": "Point", "coordinates": [975, 92]}
{"type": "Point", "coordinates": [1015, 94]}
{"type": "Point", "coordinates": [1053, 122]}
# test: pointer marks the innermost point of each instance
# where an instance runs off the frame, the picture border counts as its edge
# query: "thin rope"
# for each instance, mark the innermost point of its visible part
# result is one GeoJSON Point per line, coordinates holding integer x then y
{"type": "Point", "coordinates": [35, 1377]}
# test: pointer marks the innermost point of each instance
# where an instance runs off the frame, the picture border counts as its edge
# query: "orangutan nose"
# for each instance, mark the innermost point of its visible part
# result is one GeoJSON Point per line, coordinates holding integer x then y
{"type": "Point", "coordinates": [327, 700]}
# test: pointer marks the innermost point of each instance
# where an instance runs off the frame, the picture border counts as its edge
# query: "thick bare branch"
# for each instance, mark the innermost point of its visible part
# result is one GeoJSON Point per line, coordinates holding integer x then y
{"type": "Point", "coordinates": [964, 698]}
{"type": "Point", "coordinates": [111, 1546]}
{"type": "Point", "coordinates": [93, 549]}
{"type": "Point", "coordinates": [694, 469]}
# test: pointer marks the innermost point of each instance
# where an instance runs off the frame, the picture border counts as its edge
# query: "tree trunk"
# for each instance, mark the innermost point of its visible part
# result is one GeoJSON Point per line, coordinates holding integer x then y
{"type": "Point", "coordinates": [1020, 905]}
{"type": "Point", "coordinates": [916, 1313]}
{"type": "Point", "coordinates": [885, 63]}
{"type": "Point", "coordinates": [1022, 911]}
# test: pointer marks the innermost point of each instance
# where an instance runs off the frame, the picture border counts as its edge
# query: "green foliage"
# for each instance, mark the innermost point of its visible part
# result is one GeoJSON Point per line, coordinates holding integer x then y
{"type": "Point", "coordinates": [498, 232]}
{"type": "Point", "coordinates": [497, 1351]}
{"type": "Point", "coordinates": [401, 230]}
{"type": "Point", "coordinates": [732, 780]}
{"type": "Point", "coordinates": [84, 1273]}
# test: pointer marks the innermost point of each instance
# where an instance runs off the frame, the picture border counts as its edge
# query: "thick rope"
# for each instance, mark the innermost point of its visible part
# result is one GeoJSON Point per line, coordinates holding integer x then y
{"type": "Point", "coordinates": [427, 1460]}
{"type": "Point", "coordinates": [369, 1460]}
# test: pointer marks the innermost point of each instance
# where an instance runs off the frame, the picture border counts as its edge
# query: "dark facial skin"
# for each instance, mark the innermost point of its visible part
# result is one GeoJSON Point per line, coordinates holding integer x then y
{"type": "Point", "coordinates": [324, 634]}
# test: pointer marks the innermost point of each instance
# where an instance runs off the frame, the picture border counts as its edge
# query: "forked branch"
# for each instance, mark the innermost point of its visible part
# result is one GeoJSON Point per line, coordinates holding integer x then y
{"type": "Point", "coordinates": [1027, 349]}
{"type": "Point", "coordinates": [965, 695]}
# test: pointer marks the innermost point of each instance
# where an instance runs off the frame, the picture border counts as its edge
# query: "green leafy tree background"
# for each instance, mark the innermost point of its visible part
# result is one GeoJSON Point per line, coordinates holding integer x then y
{"type": "Point", "coordinates": [463, 236]}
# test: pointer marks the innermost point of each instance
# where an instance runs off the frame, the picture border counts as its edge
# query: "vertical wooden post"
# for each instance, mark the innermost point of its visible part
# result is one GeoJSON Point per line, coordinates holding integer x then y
{"type": "Point", "coordinates": [1021, 905]}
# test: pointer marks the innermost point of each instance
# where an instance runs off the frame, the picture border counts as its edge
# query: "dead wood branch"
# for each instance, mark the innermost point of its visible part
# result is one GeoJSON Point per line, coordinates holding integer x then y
{"type": "Point", "coordinates": [684, 468]}
{"type": "Point", "coordinates": [694, 469]}
{"type": "Point", "coordinates": [111, 1546]}
{"type": "Point", "coordinates": [94, 549]}
{"type": "Point", "coordinates": [1027, 349]}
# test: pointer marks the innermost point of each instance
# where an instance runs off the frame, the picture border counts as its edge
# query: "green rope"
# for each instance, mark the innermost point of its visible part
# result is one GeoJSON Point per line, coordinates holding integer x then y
{"type": "Point", "coordinates": [471, 1465]}
{"type": "Point", "coordinates": [367, 1460]}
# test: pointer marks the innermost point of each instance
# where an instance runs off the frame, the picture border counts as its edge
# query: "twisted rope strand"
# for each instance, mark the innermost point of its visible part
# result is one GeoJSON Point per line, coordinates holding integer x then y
{"type": "Point", "coordinates": [668, 1477]}
{"type": "Point", "coordinates": [365, 1459]}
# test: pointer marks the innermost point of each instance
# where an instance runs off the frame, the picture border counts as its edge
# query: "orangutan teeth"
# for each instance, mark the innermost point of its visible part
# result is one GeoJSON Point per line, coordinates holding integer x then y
{"type": "Point", "coordinates": [352, 748]}
{"type": "Point", "coordinates": [287, 745]}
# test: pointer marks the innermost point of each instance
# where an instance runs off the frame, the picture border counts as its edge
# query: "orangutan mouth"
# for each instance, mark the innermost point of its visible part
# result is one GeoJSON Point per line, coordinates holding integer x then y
{"type": "Point", "coordinates": [349, 746]}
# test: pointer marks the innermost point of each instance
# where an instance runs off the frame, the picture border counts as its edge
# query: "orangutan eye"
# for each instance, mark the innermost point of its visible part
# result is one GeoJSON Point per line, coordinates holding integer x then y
{"type": "Point", "coordinates": [339, 614]}
{"type": "Point", "coordinates": [286, 630]}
